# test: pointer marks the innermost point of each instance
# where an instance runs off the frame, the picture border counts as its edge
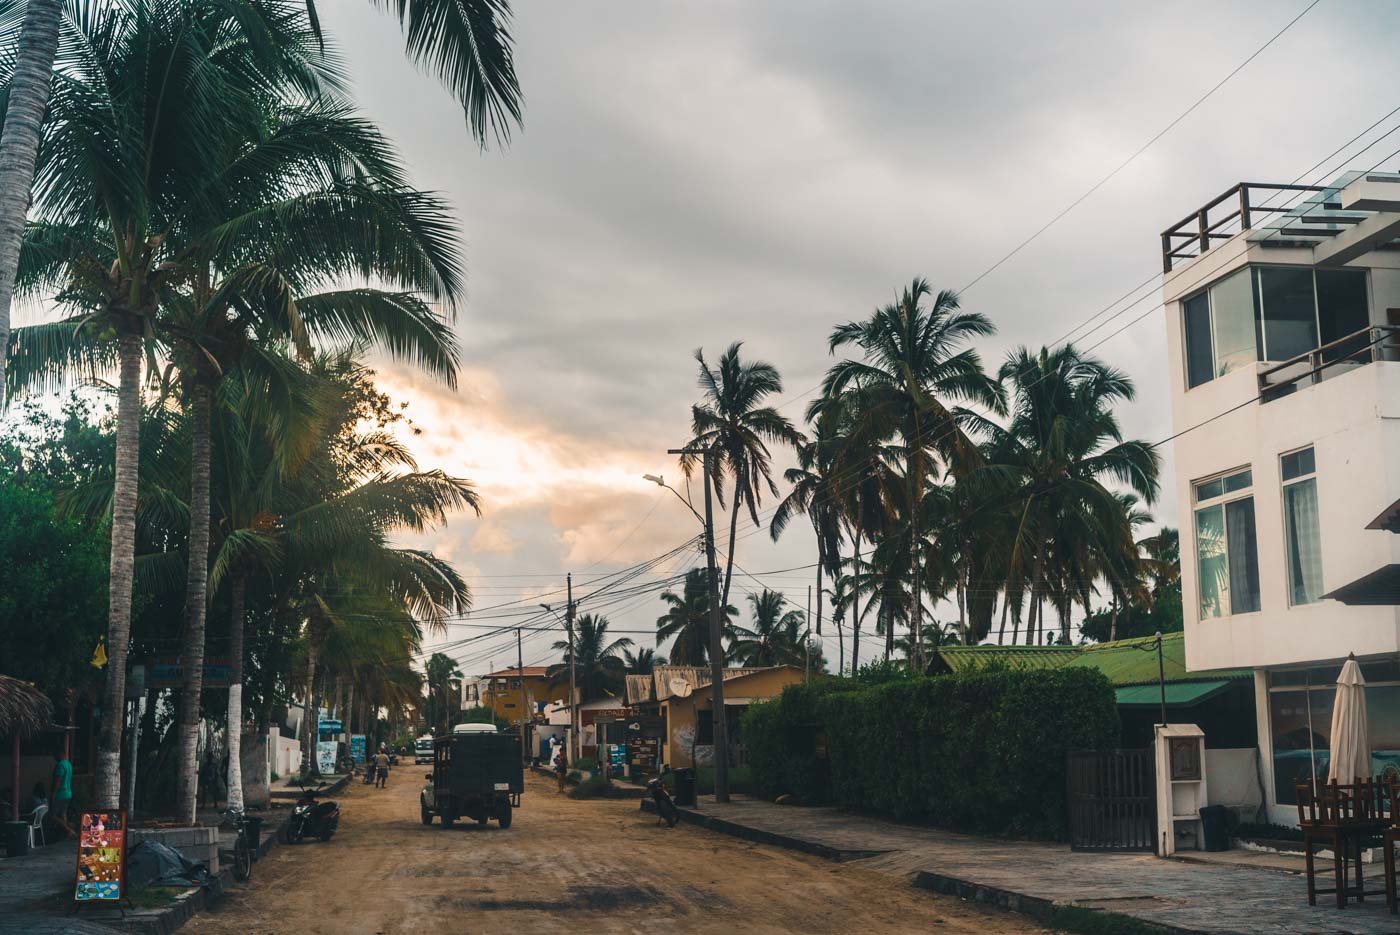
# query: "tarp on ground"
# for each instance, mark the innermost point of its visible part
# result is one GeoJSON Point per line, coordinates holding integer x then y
{"type": "Point", "coordinates": [152, 863]}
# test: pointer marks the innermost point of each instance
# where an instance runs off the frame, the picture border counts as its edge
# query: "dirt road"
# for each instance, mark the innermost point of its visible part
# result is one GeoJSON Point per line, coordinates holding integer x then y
{"type": "Point", "coordinates": [564, 866]}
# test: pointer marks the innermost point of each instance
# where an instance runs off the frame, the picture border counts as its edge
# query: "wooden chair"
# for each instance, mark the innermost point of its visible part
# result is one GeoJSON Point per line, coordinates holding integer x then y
{"type": "Point", "coordinates": [1343, 817]}
{"type": "Point", "coordinates": [1390, 836]}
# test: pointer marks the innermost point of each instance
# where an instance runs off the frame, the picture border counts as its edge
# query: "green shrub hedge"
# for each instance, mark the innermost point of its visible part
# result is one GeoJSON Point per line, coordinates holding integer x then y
{"type": "Point", "coordinates": [978, 751]}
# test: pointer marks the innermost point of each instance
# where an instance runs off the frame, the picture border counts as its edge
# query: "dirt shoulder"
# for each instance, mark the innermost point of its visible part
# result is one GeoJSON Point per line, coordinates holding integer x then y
{"type": "Point", "coordinates": [600, 866]}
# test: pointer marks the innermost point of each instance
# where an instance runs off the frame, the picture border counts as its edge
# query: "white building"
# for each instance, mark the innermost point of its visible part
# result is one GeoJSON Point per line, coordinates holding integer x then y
{"type": "Point", "coordinates": [1285, 380]}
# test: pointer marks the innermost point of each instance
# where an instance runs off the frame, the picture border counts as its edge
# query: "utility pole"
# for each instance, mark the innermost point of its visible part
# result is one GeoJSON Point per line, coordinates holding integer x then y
{"type": "Point", "coordinates": [520, 670]}
{"type": "Point", "coordinates": [807, 641]}
{"type": "Point", "coordinates": [574, 750]}
{"type": "Point", "coordinates": [719, 717]}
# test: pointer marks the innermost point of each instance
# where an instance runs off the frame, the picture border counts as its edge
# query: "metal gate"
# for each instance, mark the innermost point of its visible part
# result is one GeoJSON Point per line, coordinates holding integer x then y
{"type": "Point", "coordinates": [1112, 800]}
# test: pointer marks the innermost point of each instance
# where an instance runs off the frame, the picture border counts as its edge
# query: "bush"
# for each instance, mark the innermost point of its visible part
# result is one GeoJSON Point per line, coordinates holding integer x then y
{"type": "Point", "coordinates": [591, 788]}
{"type": "Point", "coordinates": [479, 714]}
{"type": "Point", "coordinates": [977, 751]}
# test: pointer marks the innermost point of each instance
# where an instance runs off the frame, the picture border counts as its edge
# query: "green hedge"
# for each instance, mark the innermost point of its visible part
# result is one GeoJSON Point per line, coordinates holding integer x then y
{"type": "Point", "coordinates": [980, 751]}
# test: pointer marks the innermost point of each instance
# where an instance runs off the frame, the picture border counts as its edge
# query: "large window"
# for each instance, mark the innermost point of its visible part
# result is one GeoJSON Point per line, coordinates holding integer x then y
{"type": "Point", "coordinates": [1272, 313]}
{"type": "Point", "coordinates": [1302, 543]}
{"type": "Point", "coordinates": [1226, 551]}
{"type": "Point", "coordinates": [1300, 723]}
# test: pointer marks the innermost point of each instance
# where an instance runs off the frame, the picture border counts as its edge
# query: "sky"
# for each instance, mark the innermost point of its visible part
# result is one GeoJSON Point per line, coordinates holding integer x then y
{"type": "Point", "coordinates": [689, 175]}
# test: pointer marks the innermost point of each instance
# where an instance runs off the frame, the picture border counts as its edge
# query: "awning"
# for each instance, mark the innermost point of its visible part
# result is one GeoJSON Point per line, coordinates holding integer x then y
{"type": "Point", "coordinates": [1380, 588]}
{"type": "Point", "coordinates": [1389, 519]}
{"type": "Point", "coordinates": [1179, 694]}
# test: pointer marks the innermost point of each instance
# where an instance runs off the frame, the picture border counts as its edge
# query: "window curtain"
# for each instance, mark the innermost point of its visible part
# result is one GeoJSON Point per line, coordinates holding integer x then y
{"type": "Point", "coordinates": [1304, 547]}
{"type": "Point", "coordinates": [1243, 554]}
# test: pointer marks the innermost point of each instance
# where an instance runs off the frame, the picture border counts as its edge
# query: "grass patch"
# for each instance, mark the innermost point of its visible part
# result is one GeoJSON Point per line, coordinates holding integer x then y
{"type": "Point", "coordinates": [1082, 921]}
{"type": "Point", "coordinates": [155, 897]}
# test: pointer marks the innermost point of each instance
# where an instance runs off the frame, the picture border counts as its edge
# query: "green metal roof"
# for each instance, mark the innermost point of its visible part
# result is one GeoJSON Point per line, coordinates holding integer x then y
{"type": "Point", "coordinates": [1179, 694]}
{"type": "Point", "coordinates": [1124, 662]}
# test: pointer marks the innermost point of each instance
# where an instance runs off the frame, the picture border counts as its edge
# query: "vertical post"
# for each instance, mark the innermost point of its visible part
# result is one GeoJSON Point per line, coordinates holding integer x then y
{"type": "Point", "coordinates": [1203, 229]}
{"type": "Point", "coordinates": [1161, 678]}
{"type": "Point", "coordinates": [807, 640]}
{"type": "Point", "coordinates": [135, 748]}
{"type": "Point", "coordinates": [574, 749]}
{"type": "Point", "coordinates": [719, 718]}
{"type": "Point", "coordinates": [14, 780]}
{"type": "Point", "coordinates": [520, 670]}
{"type": "Point", "coordinates": [1244, 208]}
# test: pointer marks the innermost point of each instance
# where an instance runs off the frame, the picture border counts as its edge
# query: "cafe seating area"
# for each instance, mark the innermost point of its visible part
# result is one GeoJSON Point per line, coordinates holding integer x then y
{"type": "Point", "coordinates": [1347, 819]}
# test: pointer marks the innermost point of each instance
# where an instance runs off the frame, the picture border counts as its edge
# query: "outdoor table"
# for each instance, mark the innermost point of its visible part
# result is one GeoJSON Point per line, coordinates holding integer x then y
{"type": "Point", "coordinates": [1343, 817]}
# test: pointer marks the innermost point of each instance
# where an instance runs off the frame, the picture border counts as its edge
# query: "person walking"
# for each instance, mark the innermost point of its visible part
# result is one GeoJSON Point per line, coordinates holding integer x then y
{"type": "Point", "coordinates": [62, 785]}
{"type": "Point", "coordinates": [209, 780]}
{"type": "Point", "coordinates": [561, 767]}
{"type": "Point", "coordinates": [381, 766]}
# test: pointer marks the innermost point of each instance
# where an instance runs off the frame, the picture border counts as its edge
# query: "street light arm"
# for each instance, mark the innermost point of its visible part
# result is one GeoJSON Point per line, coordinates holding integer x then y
{"type": "Point", "coordinates": [662, 483]}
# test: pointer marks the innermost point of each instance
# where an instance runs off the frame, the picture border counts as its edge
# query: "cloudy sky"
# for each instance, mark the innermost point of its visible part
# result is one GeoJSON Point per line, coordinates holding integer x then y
{"type": "Point", "coordinates": [690, 174]}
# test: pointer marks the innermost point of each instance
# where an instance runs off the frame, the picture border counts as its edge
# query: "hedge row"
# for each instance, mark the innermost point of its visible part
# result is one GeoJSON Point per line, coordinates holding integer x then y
{"type": "Point", "coordinates": [978, 751]}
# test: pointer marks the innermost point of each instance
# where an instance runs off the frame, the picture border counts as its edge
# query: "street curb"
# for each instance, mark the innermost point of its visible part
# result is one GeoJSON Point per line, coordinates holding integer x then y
{"type": "Point", "coordinates": [733, 829]}
{"type": "Point", "coordinates": [1042, 910]}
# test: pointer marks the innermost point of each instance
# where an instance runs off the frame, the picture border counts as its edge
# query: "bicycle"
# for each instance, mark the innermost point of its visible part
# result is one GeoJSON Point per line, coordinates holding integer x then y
{"type": "Point", "coordinates": [242, 847]}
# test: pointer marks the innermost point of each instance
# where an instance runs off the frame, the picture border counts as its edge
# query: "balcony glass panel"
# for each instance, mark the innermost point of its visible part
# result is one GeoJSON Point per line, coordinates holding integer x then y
{"type": "Point", "coordinates": [1232, 316]}
{"type": "Point", "coordinates": [1342, 309]}
{"type": "Point", "coordinates": [1288, 312]}
{"type": "Point", "coordinates": [1200, 358]}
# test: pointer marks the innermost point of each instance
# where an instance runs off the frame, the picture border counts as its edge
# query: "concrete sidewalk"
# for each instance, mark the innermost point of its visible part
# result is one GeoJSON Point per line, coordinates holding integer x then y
{"type": "Point", "coordinates": [1035, 878]}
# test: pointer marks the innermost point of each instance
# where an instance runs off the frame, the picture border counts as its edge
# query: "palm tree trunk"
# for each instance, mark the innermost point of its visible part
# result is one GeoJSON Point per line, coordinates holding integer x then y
{"type": "Point", "coordinates": [109, 750]}
{"type": "Point", "coordinates": [1113, 620]}
{"type": "Point", "coordinates": [820, 556]}
{"type": "Point", "coordinates": [196, 603]}
{"type": "Point", "coordinates": [855, 611]}
{"type": "Point", "coordinates": [729, 562]}
{"type": "Point", "coordinates": [840, 647]}
{"type": "Point", "coordinates": [309, 728]}
{"type": "Point", "coordinates": [236, 598]}
{"type": "Point", "coordinates": [19, 149]}
{"type": "Point", "coordinates": [1001, 631]}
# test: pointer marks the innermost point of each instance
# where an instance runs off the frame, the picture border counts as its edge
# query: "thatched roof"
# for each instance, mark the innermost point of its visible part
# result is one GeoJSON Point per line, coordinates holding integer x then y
{"type": "Point", "coordinates": [24, 710]}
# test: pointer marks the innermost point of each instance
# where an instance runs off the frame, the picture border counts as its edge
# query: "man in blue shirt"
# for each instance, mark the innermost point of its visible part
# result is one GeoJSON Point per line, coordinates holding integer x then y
{"type": "Point", "coordinates": [62, 791]}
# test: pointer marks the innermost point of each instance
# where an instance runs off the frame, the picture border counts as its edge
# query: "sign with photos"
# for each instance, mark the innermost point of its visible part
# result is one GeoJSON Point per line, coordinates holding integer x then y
{"type": "Point", "coordinates": [101, 874]}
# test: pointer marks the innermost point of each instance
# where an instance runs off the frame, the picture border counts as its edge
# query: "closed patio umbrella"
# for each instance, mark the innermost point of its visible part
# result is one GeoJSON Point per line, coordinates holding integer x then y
{"type": "Point", "coordinates": [1351, 740]}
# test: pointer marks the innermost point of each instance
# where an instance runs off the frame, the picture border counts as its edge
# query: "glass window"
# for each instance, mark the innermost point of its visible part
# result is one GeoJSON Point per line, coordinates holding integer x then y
{"type": "Point", "coordinates": [1232, 320]}
{"type": "Point", "coordinates": [1244, 558]}
{"type": "Point", "coordinates": [1288, 310]}
{"type": "Point", "coordinates": [1211, 562]}
{"type": "Point", "coordinates": [1200, 358]}
{"type": "Point", "coordinates": [1300, 723]}
{"type": "Point", "coordinates": [1226, 551]}
{"type": "Point", "coordinates": [1342, 310]}
{"type": "Point", "coordinates": [1383, 723]}
{"type": "Point", "coordinates": [1302, 543]}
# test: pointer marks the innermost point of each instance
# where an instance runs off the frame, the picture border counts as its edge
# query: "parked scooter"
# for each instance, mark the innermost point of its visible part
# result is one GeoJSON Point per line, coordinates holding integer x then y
{"type": "Point", "coordinates": [312, 817]}
{"type": "Point", "coordinates": [664, 806]}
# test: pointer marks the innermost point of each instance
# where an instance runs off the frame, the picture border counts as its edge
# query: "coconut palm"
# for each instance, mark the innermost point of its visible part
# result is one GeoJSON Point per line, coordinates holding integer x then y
{"type": "Point", "coordinates": [1063, 446]}
{"type": "Point", "coordinates": [642, 662]}
{"type": "Point", "coordinates": [735, 428]}
{"type": "Point", "coordinates": [913, 382]}
{"type": "Point", "coordinates": [775, 637]}
{"type": "Point", "coordinates": [468, 45]}
{"type": "Point", "coordinates": [444, 680]}
{"type": "Point", "coordinates": [687, 621]}
{"type": "Point", "coordinates": [598, 663]}
{"type": "Point", "coordinates": [816, 494]}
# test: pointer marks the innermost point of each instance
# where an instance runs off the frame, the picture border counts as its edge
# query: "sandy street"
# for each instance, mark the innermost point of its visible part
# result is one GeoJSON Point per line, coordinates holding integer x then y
{"type": "Point", "coordinates": [564, 866]}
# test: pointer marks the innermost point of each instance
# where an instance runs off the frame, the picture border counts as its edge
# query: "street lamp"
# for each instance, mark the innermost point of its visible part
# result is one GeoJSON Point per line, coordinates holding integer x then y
{"type": "Point", "coordinates": [661, 482]}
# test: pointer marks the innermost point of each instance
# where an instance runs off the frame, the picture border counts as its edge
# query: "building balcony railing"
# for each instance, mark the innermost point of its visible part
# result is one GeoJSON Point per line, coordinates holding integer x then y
{"type": "Point", "coordinates": [1192, 235]}
{"type": "Point", "coordinates": [1378, 342]}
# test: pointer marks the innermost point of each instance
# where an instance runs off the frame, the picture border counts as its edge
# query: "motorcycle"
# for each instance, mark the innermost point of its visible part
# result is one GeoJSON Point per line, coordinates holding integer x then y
{"type": "Point", "coordinates": [312, 817]}
{"type": "Point", "coordinates": [664, 806]}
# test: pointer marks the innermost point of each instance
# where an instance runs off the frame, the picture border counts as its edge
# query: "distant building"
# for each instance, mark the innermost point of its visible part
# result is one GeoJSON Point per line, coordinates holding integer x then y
{"type": "Point", "coordinates": [518, 696]}
{"type": "Point", "coordinates": [1283, 338]}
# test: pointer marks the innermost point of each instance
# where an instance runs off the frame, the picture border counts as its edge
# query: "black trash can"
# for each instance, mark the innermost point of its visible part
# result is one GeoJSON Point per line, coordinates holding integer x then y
{"type": "Point", "coordinates": [1215, 827]}
{"type": "Point", "coordinates": [252, 831]}
{"type": "Point", "coordinates": [16, 838]}
{"type": "Point", "coordinates": [685, 787]}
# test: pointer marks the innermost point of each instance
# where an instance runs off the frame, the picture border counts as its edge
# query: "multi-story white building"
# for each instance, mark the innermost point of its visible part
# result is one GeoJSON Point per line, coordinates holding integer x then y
{"type": "Point", "coordinates": [1283, 307]}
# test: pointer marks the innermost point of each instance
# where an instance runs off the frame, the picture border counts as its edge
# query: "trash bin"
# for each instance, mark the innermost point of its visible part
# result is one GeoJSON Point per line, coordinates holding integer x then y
{"type": "Point", "coordinates": [685, 787]}
{"type": "Point", "coordinates": [1215, 827]}
{"type": "Point", "coordinates": [16, 838]}
{"type": "Point", "coordinates": [252, 830]}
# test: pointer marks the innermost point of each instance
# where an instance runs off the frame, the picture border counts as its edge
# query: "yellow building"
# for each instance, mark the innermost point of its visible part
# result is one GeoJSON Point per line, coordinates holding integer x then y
{"type": "Point", "coordinates": [680, 696]}
{"type": "Point", "coordinates": [517, 696]}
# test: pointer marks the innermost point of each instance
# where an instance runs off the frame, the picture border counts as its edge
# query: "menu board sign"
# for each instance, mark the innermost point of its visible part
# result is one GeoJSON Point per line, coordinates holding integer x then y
{"type": "Point", "coordinates": [101, 856]}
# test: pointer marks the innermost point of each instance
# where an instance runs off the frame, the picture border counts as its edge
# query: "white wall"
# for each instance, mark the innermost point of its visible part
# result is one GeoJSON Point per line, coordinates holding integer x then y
{"type": "Point", "coordinates": [1352, 420]}
{"type": "Point", "coordinates": [1232, 778]}
{"type": "Point", "coordinates": [286, 757]}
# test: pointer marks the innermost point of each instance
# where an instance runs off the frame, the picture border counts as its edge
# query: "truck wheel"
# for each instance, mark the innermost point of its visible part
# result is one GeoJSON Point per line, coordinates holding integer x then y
{"type": "Point", "coordinates": [482, 819]}
{"type": "Point", "coordinates": [426, 815]}
{"type": "Point", "coordinates": [503, 815]}
{"type": "Point", "coordinates": [448, 819]}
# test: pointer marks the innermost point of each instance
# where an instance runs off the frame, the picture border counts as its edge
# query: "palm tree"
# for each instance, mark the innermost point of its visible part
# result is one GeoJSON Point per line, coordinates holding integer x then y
{"type": "Point", "coordinates": [911, 381]}
{"type": "Point", "coordinates": [444, 679]}
{"type": "Point", "coordinates": [29, 83]}
{"type": "Point", "coordinates": [1063, 444]}
{"type": "Point", "coordinates": [776, 636]}
{"type": "Point", "coordinates": [642, 662]}
{"type": "Point", "coordinates": [149, 97]}
{"type": "Point", "coordinates": [597, 662]}
{"type": "Point", "coordinates": [816, 493]}
{"type": "Point", "coordinates": [735, 428]}
{"type": "Point", "coordinates": [687, 621]}
{"type": "Point", "coordinates": [469, 45]}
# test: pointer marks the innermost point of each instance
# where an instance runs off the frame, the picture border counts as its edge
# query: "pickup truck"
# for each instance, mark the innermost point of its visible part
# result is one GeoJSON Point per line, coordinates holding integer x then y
{"type": "Point", "coordinates": [477, 773]}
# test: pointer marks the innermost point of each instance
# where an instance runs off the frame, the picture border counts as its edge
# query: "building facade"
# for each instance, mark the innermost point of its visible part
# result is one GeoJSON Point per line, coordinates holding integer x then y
{"type": "Point", "coordinates": [1282, 304]}
{"type": "Point", "coordinates": [518, 696]}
